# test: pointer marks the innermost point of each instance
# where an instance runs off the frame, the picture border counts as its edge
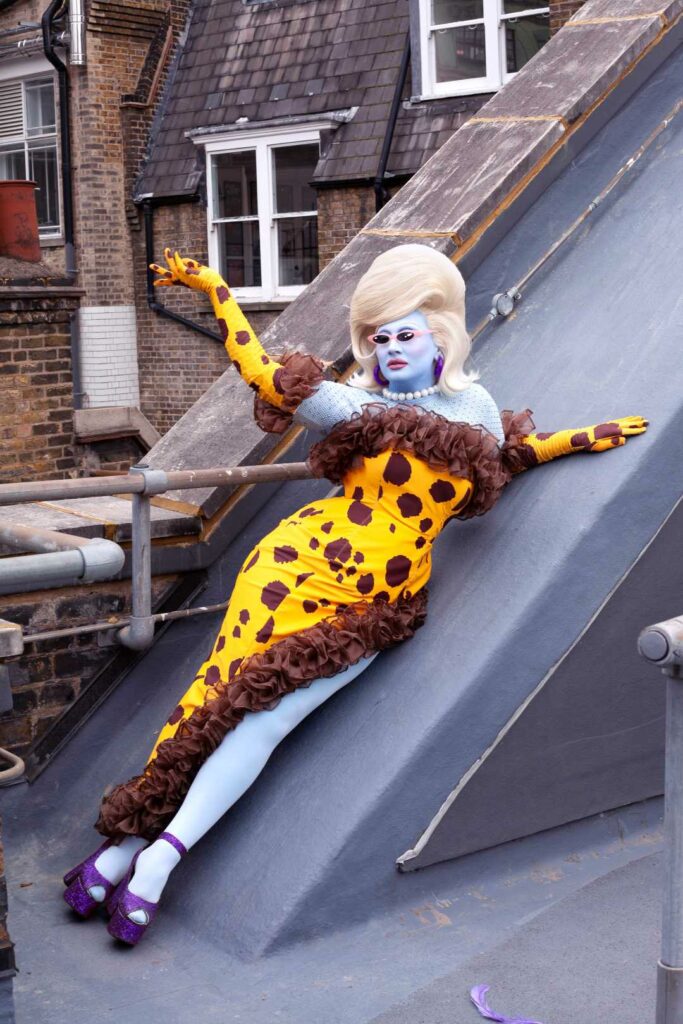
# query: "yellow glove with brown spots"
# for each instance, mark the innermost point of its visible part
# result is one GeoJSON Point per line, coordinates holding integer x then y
{"type": "Point", "coordinates": [245, 350]}
{"type": "Point", "coordinates": [538, 448]}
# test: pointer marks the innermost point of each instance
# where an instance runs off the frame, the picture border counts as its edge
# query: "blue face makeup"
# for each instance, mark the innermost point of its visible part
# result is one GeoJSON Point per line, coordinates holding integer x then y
{"type": "Point", "coordinates": [407, 365]}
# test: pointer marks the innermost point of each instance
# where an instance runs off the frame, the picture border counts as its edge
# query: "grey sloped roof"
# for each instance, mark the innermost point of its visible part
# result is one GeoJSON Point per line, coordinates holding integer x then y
{"type": "Point", "coordinates": [289, 61]}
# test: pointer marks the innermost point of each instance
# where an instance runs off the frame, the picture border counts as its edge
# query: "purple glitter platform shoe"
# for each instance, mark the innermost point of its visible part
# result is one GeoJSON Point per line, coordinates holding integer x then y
{"type": "Point", "coordinates": [81, 881]}
{"type": "Point", "coordinates": [123, 903]}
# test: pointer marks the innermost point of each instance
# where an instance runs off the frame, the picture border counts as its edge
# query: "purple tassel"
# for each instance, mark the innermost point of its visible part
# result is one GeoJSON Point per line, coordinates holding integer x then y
{"type": "Point", "coordinates": [478, 997]}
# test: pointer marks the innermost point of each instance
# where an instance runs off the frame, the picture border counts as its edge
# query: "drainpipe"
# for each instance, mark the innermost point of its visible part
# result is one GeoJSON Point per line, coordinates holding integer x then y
{"type": "Point", "coordinates": [381, 194]}
{"type": "Point", "coordinates": [64, 133]}
{"type": "Point", "coordinates": [62, 560]}
{"type": "Point", "coordinates": [155, 306]}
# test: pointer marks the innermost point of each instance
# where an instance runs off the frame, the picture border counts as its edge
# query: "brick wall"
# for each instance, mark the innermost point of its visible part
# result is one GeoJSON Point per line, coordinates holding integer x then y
{"type": "Point", "coordinates": [36, 392]}
{"type": "Point", "coordinates": [561, 11]}
{"type": "Point", "coordinates": [177, 365]}
{"type": "Point", "coordinates": [342, 212]}
{"type": "Point", "coordinates": [49, 676]}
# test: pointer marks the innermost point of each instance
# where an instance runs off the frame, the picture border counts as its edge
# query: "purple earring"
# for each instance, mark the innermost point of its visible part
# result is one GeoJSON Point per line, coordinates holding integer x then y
{"type": "Point", "coordinates": [380, 379]}
{"type": "Point", "coordinates": [438, 367]}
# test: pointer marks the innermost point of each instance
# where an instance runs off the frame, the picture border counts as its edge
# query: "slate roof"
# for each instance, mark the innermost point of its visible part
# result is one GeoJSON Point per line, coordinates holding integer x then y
{"type": "Point", "coordinates": [277, 60]}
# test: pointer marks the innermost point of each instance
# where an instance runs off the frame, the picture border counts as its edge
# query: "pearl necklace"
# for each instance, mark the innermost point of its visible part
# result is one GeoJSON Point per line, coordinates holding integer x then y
{"type": "Point", "coordinates": [401, 396]}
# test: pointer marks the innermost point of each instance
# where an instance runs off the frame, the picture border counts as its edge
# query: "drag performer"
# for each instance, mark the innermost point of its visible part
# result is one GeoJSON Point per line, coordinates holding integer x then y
{"type": "Point", "coordinates": [415, 442]}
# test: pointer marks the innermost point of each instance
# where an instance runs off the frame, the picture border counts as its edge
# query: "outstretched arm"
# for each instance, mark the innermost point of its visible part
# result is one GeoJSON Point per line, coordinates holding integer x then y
{"type": "Point", "coordinates": [276, 383]}
{"type": "Point", "coordinates": [533, 449]}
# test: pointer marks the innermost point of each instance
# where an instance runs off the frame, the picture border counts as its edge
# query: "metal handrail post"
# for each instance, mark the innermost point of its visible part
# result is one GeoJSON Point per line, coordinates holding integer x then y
{"type": "Point", "coordinates": [662, 644]}
{"type": "Point", "coordinates": [139, 633]}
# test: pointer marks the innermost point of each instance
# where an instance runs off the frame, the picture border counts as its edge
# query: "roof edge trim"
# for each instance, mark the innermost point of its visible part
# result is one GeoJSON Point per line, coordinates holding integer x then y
{"type": "Point", "coordinates": [329, 119]}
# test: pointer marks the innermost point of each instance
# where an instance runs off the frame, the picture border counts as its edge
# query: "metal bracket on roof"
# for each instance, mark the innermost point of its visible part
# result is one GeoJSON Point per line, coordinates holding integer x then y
{"type": "Point", "coordinates": [505, 302]}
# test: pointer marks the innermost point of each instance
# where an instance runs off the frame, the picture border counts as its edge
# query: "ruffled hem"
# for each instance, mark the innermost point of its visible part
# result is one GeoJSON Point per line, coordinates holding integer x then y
{"type": "Point", "coordinates": [296, 379]}
{"type": "Point", "coordinates": [145, 805]}
{"type": "Point", "coordinates": [517, 455]}
{"type": "Point", "coordinates": [463, 450]}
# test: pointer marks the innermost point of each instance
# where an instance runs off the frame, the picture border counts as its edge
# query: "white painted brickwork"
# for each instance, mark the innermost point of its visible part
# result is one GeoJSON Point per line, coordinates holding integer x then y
{"type": "Point", "coordinates": [109, 355]}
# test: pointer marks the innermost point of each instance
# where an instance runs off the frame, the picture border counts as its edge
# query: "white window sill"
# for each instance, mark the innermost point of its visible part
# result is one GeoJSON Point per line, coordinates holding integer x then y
{"type": "Point", "coordinates": [456, 92]}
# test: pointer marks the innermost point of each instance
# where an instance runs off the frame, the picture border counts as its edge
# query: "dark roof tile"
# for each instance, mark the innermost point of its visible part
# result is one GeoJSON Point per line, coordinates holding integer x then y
{"type": "Point", "coordinates": [314, 57]}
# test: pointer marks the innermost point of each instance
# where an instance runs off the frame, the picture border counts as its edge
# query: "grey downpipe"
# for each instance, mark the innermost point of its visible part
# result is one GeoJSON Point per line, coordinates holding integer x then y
{"type": "Point", "coordinates": [155, 306]}
{"type": "Point", "coordinates": [76, 362]}
{"type": "Point", "coordinates": [662, 644]}
{"type": "Point", "coordinates": [381, 194]}
{"type": "Point", "coordinates": [64, 134]}
{"type": "Point", "coordinates": [61, 559]}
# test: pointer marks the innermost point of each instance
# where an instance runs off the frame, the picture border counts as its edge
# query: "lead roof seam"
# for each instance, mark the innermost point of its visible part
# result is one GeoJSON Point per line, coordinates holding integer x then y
{"type": "Point", "coordinates": [516, 117]}
{"type": "Point", "coordinates": [609, 19]}
{"type": "Point", "coordinates": [412, 233]}
{"type": "Point", "coordinates": [77, 513]}
{"type": "Point", "coordinates": [546, 157]}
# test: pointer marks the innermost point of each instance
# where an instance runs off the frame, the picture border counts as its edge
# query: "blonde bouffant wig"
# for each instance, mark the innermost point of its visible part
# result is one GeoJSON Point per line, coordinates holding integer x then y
{"type": "Point", "coordinates": [402, 279]}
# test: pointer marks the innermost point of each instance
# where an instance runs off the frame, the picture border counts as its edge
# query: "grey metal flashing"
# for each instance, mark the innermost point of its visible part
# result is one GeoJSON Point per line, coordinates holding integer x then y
{"type": "Point", "coordinates": [332, 118]}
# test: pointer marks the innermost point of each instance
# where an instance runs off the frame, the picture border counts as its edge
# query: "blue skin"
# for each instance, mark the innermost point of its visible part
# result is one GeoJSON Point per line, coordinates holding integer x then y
{"type": "Point", "coordinates": [419, 354]}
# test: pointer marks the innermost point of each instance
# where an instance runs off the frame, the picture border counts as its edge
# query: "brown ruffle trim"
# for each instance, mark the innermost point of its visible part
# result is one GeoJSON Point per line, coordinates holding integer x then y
{"type": "Point", "coordinates": [461, 449]}
{"type": "Point", "coordinates": [145, 805]}
{"type": "Point", "coordinates": [297, 378]}
{"type": "Point", "coordinates": [517, 455]}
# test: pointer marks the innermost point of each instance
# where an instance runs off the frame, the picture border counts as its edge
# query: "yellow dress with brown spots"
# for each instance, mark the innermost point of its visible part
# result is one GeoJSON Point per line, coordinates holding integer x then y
{"type": "Point", "coordinates": [342, 577]}
{"type": "Point", "coordinates": [374, 541]}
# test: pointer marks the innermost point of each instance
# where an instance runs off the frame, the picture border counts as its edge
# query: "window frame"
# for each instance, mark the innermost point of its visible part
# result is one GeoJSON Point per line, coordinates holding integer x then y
{"type": "Point", "coordinates": [494, 20]}
{"type": "Point", "coordinates": [25, 72]}
{"type": "Point", "coordinates": [263, 142]}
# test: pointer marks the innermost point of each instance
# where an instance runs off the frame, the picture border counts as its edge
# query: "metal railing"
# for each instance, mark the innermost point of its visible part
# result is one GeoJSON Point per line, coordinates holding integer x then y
{"type": "Point", "coordinates": [662, 644]}
{"type": "Point", "coordinates": [68, 559]}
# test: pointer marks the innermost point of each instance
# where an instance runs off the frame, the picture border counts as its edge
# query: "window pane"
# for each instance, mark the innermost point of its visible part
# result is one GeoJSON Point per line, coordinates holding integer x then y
{"type": "Point", "coordinates": [460, 53]}
{"type": "Point", "coordinates": [515, 6]}
{"type": "Point", "coordinates": [446, 11]}
{"type": "Point", "coordinates": [12, 164]}
{"type": "Point", "coordinates": [42, 165]}
{"type": "Point", "coordinates": [240, 254]}
{"type": "Point", "coordinates": [235, 184]}
{"type": "Point", "coordinates": [297, 250]}
{"type": "Point", "coordinates": [294, 167]}
{"type": "Point", "coordinates": [523, 38]}
{"type": "Point", "coordinates": [40, 107]}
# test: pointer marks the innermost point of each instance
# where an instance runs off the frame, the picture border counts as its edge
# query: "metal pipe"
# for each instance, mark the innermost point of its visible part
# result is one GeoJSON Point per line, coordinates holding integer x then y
{"type": "Point", "coordinates": [17, 30]}
{"type": "Point", "coordinates": [96, 559]}
{"type": "Point", "coordinates": [76, 33]}
{"type": "Point", "coordinates": [381, 194]}
{"type": "Point", "coordinates": [501, 307]}
{"type": "Point", "coordinates": [64, 134]}
{"type": "Point", "coordinates": [662, 644]}
{"type": "Point", "coordinates": [33, 538]}
{"type": "Point", "coordinates": [98, 486]}
{"type": "Point", "coordinates": [76, 362]}
{"type": "Point", "coordinates": [107, 627]}
{"type": "Point", "coordinates": [139, 633]}
{"type": "Point", "coordinates": [16, 770]}
{"type": "Point", "coordinates": [155, 306]}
